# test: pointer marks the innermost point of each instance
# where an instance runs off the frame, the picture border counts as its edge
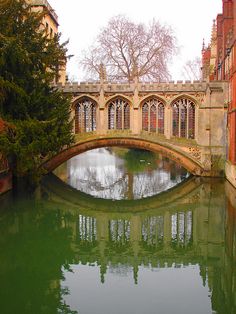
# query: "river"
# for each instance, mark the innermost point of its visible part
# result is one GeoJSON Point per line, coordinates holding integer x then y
{"type": "Point", "coordinates": [119, 232]}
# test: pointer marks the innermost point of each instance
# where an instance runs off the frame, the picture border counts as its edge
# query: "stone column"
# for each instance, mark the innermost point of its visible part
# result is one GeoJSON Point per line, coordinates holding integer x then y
{"type": "Point", "coordinates": [168, 118]}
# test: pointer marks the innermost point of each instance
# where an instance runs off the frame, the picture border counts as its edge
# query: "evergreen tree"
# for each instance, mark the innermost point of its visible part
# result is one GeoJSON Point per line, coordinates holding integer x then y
{"type": "Point", "coordinates": [36, 115]}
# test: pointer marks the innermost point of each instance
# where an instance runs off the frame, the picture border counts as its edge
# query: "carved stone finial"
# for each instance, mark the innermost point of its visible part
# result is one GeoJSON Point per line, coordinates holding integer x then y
{"type": "Point", "coordinates": [102, 72]}
{"type": "Point", "coordinates": [214, 31]}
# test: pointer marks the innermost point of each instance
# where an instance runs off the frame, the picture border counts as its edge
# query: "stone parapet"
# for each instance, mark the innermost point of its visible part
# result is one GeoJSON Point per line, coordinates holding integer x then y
{"type": "Point", "coordinates": [108, 87]}
{"type": "Point", "coordinates": [145, 87]}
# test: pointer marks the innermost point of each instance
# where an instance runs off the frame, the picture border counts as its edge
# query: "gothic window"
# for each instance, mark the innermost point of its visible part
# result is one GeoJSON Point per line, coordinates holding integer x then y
{"type": "Point", "coordinates": [111, 117]}
{"type": "Point", "coordinates": [118, 115]}
{"type": "Point", "coordinates": [183, 118]}
{"type": "Point", "coordinates": [126, 117]}
{"type": "Point", "coordinates": [145, 117]}
{"type": "Point", "coordinates": [85, 116]}
{"type": "Point", "coordinates": [191, 121]}
{"type": "Point", "coordinates": [161, 112]}
{"type": "Point", "coordinates": [153, 116]}
{"type": "Point", "coordinates": [175, 120]}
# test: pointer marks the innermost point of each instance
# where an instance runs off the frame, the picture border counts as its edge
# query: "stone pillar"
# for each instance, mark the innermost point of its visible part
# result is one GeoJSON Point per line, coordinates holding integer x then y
{"type": "Point", "coordinates": [168, 118]}
{"type": "Point", "coordinates": [101, 123]}
{"type": "Point", "coordinates": [136, 127]}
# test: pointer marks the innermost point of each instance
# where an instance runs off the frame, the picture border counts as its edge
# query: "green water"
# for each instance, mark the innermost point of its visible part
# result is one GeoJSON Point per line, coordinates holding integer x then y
{"type": "Point", "coordinates": [62, 251]}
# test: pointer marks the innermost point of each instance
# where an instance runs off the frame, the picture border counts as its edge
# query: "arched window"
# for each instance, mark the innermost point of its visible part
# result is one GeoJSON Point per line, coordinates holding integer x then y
{"type": "Point", "coordinates": [153, 118]}
{"type": "Point", "coordinates": [183, 118]}
{"type": "Point", "coordinates": [175, 120]}
{"type": "Point", "coordinates": [153, 111]}
{"type": "Point", "coordinates": [126, 117]}
{"type": "Point", "coordinates": [145, 117]}
{"type": "Point", "coordinates": [191, 121]}
{"type": "Point", "coordinates": [118, 115]}
{"type": "Point", "coordinates": [161, 112]}
{"type": "Point", "coordinates": [111, 117]}
{"type": "Point", "coordinates": [85, 116]}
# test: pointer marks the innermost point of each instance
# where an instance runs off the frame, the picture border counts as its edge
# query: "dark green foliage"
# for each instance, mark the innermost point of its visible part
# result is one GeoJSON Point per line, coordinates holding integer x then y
{"type": "Point", "coordinates": [37, 116]}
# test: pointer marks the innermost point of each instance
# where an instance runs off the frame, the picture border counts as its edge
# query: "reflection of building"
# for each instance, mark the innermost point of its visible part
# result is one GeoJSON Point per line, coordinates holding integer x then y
{"type": "Point", "coordinates": [194, 230]}
{"type": "Point", "coordinates": [183, 236]}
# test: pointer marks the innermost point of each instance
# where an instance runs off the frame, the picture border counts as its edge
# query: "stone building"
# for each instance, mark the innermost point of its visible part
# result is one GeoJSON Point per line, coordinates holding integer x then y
{"type": "Point", "coordinates": [50, 24]}
{"type": "Point", "coordinates": [219, 63]}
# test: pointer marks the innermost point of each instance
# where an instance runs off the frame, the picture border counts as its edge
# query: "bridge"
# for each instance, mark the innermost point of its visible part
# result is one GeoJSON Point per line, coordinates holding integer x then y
{"type": "Point", "coordinates": [185, 121]}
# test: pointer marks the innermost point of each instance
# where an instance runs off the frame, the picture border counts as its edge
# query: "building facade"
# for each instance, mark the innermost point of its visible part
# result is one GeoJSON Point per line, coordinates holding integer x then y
{"type": "Point", "coordinates": [50, 25]}
{"type": "Point", "coordinates": [219, 63]}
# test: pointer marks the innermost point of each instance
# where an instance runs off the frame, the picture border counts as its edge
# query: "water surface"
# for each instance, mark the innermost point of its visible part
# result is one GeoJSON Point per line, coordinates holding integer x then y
{"type": "Point", "coordinates": [62, 251]}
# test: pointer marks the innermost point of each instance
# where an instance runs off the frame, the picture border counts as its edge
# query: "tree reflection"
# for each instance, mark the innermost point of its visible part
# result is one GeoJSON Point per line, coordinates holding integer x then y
{"type": "Point", "coordinates": [118, 173]}
{"type": "Point", "coordinates": [41, 240]}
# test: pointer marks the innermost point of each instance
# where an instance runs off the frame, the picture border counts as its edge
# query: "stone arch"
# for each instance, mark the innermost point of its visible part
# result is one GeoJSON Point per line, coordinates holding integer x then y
{"type": "Point", "coordinates": [85, 109]}
{"type": "Point", "coordinates": [184, 95]}
{"type": "Point", "coordinates": [153, 114]}
{"type": "Point", "coordinates": [82, 96]}
{"type": "Point", "coordinates": [181, 194]}
{"type": "Point", "coordinates": [186, 161]}
{"type": "Point", "coordinates": [145, 98]}
{"type": "Point", "coordinates": [111, 98]}
{"type": "Point", "coordinates": [118, 113]}
{"type": "Point", "coordinates": [183, 116]}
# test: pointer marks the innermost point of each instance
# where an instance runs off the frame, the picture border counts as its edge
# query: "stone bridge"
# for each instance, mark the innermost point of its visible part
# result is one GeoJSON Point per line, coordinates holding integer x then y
{"type": "Point", "coordinates": [185, 121]}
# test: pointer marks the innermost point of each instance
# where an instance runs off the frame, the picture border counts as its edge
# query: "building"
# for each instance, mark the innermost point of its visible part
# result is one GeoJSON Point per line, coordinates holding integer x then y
{"type": "Point", "coordinates": [50, 24]}
{"type": "Point", "coordinates": [219, 63]}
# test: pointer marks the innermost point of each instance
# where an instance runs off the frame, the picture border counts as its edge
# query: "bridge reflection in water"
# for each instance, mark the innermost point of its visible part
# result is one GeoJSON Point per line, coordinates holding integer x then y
{"type": "Point", "coordinates": [198, 228]}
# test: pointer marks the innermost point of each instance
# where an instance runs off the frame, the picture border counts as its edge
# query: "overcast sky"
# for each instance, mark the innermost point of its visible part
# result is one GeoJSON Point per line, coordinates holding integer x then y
{"type": "Point", "coordinates": [80, 21]}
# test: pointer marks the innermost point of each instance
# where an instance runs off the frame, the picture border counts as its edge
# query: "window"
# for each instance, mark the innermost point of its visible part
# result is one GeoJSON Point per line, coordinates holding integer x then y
{"type": "Point", "coordinates": [85, 116]}
{"type": "Point", "coordinates": [183, 118]}
{"type": "Point", "coordinates": [153, 112]}
{"type": "Point", "coordinates": [118, 115]}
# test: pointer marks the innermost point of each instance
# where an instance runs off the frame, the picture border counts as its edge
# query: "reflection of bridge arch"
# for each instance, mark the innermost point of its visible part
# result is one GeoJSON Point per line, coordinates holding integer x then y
{"type": "Point", "coordinates": [180, 157]}
{"type": "Point", "coordinates": [181, 194]}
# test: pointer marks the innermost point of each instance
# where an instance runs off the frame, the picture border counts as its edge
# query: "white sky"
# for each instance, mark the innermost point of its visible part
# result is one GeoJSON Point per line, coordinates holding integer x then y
{"type": "Point", "coordinates": [81, 20]}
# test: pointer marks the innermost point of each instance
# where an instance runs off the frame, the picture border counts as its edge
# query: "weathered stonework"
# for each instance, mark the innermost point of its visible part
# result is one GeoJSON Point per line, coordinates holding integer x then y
{"type": "Point", "coordinates": [204, 155]}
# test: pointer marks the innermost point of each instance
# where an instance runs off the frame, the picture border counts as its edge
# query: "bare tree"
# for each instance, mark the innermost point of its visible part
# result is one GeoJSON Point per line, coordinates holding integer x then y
{"type": "Point", "coordinates": [192, 69]}
{"type": "Point", "coordinates": [131, 50]}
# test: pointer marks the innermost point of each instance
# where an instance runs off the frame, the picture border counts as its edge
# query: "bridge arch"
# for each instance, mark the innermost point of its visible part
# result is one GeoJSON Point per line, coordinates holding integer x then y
{"type": "Point", "coordinates": [185, 160]}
